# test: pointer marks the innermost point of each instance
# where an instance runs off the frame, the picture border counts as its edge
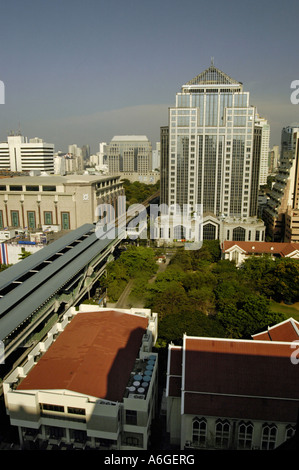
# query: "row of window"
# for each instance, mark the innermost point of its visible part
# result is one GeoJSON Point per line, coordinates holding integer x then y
{"type": "Point", "coordinates": [19, 187]}
{"type": "Point", "coordinates": [244, 434]}
{"type": "Point", "coordinates": [31, 219]}
{"type": "Point", "coordinates": [52, 410]}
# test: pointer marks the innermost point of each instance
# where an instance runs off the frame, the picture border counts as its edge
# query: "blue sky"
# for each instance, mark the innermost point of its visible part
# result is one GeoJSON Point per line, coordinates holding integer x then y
{"type": "Point", "coordinates": [82, 71]}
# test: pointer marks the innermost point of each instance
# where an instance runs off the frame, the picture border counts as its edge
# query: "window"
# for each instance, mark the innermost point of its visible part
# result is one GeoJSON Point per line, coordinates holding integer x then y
{"type": "Point", "coordinates": [65, 220]}
{"type": "Point", "coordinates": [48, 407]}
{"type": "Point", "coordinates": [199, 432]}
{"type": "Point", "coordinates": [31, 219]}
{"type": "Point", "coordinates": [76, 411]}
{"type": "Point", "coordinates": [55, 432]}
{"type": "Point", "coordinates": [179, 232]}
{"type": "Point", "coordinates": [15, 188]}
{"type": "Point", "coordinates": [257, 235]}
{"type": "Point", "coordinates": [269, 437]}
{"type": "Point", "coordinates": [209, 232]}
{"type": "Point", "coordinates": [49, 188]}
{"type": "Point", "coordinates": [32, 188]}
{"type": "Point", "coordinates": [135, 440]}
{"type": "Point", "coordinates": [239, 234]}
{"type": "Point", "coordinates": [290, 432]}
{"type": "Point", "coordinates": [131, 417]}
{"type": "Point", "coordinates": [48, 218]}
{"type": "Point", "coordinates": [222, 434]}
{"type": "Point", "coordinates": [245, 434]}
{"type": "Point", "coordinates": [15, 222]}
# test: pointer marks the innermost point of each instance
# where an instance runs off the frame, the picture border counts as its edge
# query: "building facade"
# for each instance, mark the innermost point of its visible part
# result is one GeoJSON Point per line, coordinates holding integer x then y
{"type": "Point", "coordinates": [281, 214]}
{"type": "Point", "coordinates": [128, 154]}
{"type": "Point", "coordinates": [238, 252]}
{"type": "Point", "coordinates": [210, 154]}
{"type": "Point", "coordinates": [92, 384]}
{"type": "Point", "coordinates": [229, 394]}
{"type": "Point", "coordinates": [20, 155]}
{"type": "Point", "coordinates": [66, 202]}
{"type": "Point", "coordinates": [264, 149]}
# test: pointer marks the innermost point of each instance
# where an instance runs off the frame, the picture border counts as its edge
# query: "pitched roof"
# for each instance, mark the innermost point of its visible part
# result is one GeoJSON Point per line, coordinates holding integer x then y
{"type": "Point", "coordinates": [283, 249]}
{"type": "Point", "coordinates": [239, 378]}
{"type": "Point", "coordinates": [94, 356]}
{"type": "Point", "coordinates": [213, 76]}
{"type": "Point", "coordinates": [287, 330]}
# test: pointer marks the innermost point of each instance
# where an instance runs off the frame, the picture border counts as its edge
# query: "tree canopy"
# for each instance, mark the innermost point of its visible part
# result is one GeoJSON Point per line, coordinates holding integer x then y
{"type": "Point", "coordinates": [201, 294]}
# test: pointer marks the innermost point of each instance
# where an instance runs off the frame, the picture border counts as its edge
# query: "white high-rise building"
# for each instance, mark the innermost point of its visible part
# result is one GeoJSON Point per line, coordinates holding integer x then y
{"type": "Point", "coordinates": [129, 154]}
{"type": "Point", "coordinates": [210, 156]}
{"type": "Point", "coordinates": [156, 157]}
{"type": "Point", "coordinates": [265, 148]}
{"type": "Point", "coordinates": [18, 154]}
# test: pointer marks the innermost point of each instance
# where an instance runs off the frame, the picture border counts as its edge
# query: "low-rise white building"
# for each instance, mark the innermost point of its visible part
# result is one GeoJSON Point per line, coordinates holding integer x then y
{"type": "Point", "coordinates": [31, 202]}
{"type": "Point", "coordinates": [95, 385]}
{"type": "Point", "coordinates": [238, 252]}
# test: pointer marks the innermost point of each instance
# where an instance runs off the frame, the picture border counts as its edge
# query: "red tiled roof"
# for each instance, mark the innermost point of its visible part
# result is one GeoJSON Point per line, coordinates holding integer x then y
{"type": "Point", "coordinates": [240, 378]}
{"type": "Point", "coordinates": [287, 330]}
{"type": "Point", "coordinates": [94, 356]}
{"type": "Point", "coordinates": [283, 249]}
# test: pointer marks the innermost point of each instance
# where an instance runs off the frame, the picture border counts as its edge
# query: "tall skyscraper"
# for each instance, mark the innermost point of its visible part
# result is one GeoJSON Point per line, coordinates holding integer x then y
{"type": "Point", "coordinates": [211, 155]}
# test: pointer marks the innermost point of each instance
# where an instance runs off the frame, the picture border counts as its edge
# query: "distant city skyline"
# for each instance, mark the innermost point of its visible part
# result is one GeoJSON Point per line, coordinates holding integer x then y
{"type": "Point", "coordinates": [81, 72]}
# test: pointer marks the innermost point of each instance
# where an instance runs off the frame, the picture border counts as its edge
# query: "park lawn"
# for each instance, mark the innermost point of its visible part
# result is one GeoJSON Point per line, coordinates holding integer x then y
{"type": "Point", "coordinates": [288, 310]}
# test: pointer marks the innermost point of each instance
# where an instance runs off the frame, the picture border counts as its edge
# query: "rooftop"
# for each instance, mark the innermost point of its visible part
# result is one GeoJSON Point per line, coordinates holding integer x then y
{"type": "Point", "coordinates": [244, 379]}
{"type": "Point", "coordinates": [287, 330]}
{"type": "Point", "coordinates": [54, 179]}
{"type": "Point", "coordinates": [129, 138]}
{"type": "Point", "coordinates": [283, 249]}
{"type": "Point", "coordinates": [94, 356]}
{"type": "Point", "coordinates": [213, 76]}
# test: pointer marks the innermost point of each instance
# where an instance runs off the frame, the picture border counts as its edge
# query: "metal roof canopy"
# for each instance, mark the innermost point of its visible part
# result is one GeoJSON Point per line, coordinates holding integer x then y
{"type": "Point", "coordinates": [50, 280]}
{"type": "Point", "coordinates": [19, 269]}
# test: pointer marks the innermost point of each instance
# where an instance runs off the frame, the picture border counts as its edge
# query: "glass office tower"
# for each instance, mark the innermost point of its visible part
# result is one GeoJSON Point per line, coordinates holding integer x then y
{"type": "Point", "coordinates": [213, 158]}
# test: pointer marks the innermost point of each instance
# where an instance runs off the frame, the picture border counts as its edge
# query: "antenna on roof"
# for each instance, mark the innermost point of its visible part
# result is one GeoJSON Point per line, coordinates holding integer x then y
{"type": "Point", "coordinates": [212, 61]}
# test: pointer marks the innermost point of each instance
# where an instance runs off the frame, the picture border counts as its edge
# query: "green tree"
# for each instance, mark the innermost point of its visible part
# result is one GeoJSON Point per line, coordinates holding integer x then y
{"type": "Point", "coordinates": [286, 280]}
{"type": "Point", "coordinates": [172, 327]}
{"type": "Point", "coordinates": [24, 254]}
{"type": "Point", "coordinates": [248, 316]}
{"type": "Point", "coordinates": [139, 261]}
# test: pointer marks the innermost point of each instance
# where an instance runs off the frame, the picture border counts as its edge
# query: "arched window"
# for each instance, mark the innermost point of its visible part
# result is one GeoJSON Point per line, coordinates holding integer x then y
{"type": "Point", "coordinates": [245, 434]}
{"type": "Point", "coordinates": [239, 234]}
{"type": "Point", "coordinates": [290, 431]}
{"type": "Point", "coordinates": [222, 434]}
{"type": "Point", "coordinates": [179, 232]}
{"type": "Point", "coordinates": [199, 432]}
{"type": "Point", "coordinates": [209, 232]}
{"type": "Point", "coordinates": [269, 436]}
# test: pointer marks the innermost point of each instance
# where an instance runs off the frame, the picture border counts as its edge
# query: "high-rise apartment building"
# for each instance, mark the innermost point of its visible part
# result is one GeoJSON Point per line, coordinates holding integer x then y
{"type": "Point", "coordinates": [18, 154]}
{"type": "Point", "coordinates": [211, 155]}
{"type": "Point", "coordinates": [281, 214]}
{"type": "Point", "coordinates": [274, 156]}
{"type": "Point", "coordinates": [264, 149]}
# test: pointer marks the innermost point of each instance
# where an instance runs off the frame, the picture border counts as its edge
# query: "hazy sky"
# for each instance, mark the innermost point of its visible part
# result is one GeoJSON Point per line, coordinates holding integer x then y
{"type": "Point", "coordinates": [82, 71]}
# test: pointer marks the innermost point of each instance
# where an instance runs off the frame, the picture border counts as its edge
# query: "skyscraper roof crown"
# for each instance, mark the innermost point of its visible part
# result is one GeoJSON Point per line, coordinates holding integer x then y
{"type": "Point", "coordinates": [213, 76]}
